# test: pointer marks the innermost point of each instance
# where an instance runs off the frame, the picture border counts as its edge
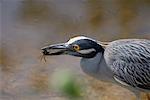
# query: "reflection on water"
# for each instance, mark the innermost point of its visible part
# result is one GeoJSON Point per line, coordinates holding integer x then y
{"type": "Point", "coordinates": [28, 25]}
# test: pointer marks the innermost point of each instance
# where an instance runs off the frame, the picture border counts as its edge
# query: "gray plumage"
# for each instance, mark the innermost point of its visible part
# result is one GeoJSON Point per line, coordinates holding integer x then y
{"type": "Point", "coordinates": [129, 60]}
{"type": "Point", "coordinates": [125, 62]}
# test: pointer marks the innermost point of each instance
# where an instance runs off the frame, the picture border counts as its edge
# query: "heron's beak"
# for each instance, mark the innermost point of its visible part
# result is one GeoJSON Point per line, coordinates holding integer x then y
{"type": "Point", "coordinates": [56, 49]}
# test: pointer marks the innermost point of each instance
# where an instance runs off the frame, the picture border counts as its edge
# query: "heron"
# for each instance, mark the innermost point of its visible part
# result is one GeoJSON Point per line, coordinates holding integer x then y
{"type": "Point", "coordinates": [125, 62]}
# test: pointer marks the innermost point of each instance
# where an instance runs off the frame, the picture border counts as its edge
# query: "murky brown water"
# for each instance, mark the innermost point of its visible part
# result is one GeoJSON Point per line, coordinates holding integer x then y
{"type": "Point", "coordinates": [28, 25]}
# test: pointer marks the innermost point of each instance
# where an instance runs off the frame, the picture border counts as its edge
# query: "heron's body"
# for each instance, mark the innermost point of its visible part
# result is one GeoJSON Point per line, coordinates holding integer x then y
{"type": "Point", "coordinates": [125, 62]}
{"type": "Point", "coordinates": [132, 58]}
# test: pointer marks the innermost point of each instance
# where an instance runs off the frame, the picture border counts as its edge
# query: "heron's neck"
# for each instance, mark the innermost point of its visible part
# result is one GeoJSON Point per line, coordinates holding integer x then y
{"type": "Point", "coordinates": [96, 67]}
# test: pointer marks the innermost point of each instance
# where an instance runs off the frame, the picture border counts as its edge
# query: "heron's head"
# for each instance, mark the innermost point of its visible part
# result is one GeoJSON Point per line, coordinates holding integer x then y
{"type": "Point", "coordinates": [78, 46]}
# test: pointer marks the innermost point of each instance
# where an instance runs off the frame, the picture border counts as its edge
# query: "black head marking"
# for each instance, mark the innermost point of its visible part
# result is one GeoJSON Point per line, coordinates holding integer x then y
{"type": "Point", "coordinates": [88, 44]}
{"type": "Point", "coordinates": [79, 46]}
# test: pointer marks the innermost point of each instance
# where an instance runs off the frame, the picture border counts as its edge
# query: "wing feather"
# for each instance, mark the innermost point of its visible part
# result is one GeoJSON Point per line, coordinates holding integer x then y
{"type": "Point", "coordinates": [130, 61]}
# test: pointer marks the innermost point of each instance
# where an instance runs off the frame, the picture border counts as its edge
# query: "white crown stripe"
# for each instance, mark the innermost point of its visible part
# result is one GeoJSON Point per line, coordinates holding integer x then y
{"type": "Point", "coordinates": [78, 38]}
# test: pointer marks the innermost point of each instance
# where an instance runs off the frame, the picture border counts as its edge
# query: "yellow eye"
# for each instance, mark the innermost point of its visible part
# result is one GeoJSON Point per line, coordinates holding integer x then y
{"type": "Point", "coordinates": [76, 47]}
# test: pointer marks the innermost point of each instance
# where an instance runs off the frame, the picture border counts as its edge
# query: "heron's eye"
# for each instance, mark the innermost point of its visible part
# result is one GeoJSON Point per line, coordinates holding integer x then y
{"type": "Point", "coordinates": [76, 47]}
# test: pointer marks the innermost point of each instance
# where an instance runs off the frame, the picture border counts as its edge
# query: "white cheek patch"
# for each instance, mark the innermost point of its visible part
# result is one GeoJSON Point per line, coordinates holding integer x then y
{"type": "Point", "coordinates": [87, 51]}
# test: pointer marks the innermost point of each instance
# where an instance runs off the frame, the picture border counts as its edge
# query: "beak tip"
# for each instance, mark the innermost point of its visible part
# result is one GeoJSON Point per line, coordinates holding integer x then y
{"type": "Point", "coordinates": [45, 52]}
{"type": "Point", "coordinates": [44, 48]}
{"type": "Point", "coordinates": [55, 49]}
